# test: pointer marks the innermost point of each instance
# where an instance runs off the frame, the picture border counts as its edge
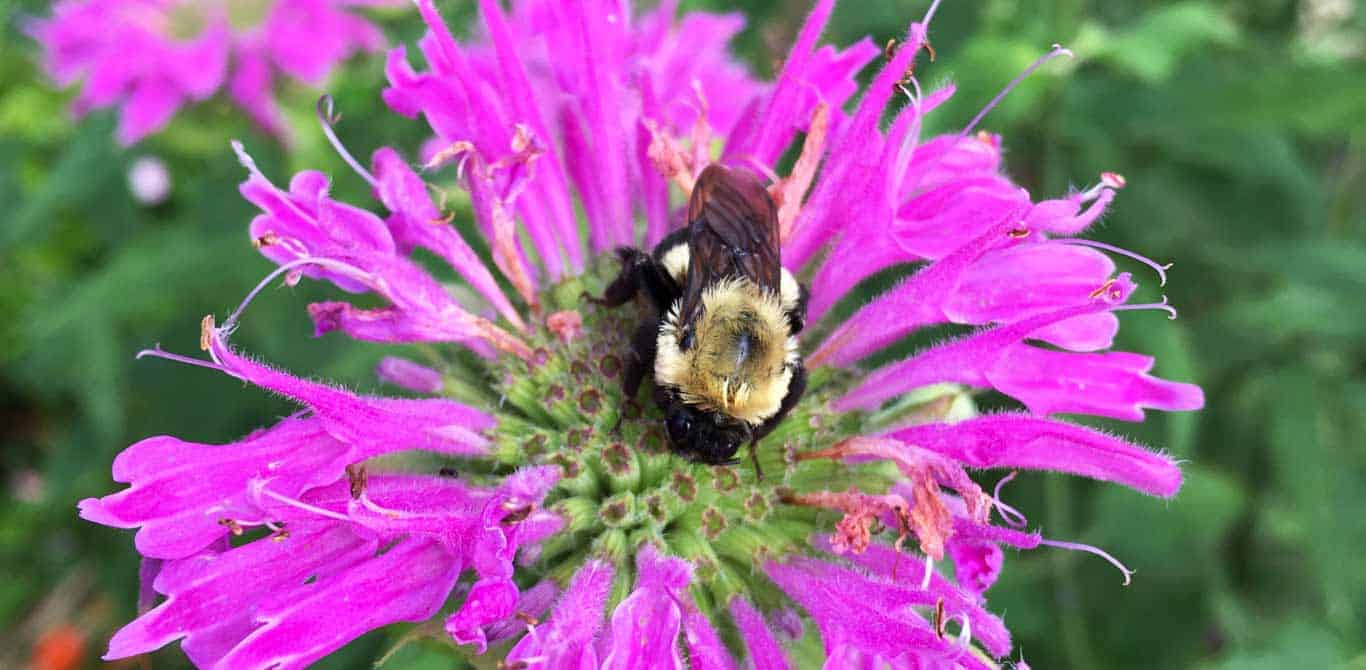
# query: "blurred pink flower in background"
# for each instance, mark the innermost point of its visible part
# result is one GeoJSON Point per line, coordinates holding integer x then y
{"type": "Point", "coordinates": [150, 57]}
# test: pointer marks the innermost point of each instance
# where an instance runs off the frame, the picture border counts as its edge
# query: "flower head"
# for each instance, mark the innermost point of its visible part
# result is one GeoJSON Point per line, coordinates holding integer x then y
{"type": "Point", "coordinates": [572, 537]}
{"type": "Point", "coordinates": [150, 57]}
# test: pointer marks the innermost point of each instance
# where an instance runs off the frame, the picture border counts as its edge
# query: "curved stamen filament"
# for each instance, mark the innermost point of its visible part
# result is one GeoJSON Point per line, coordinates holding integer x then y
{"type": "Point", "coordinates": [1077, 546]}
{"type": "Point", "coordinates": [1159, 268]}
{"type": "Point", "coordinates": [299, 504]}
{"type": "Point", "coordinates": [1057, 50]}
{"type": "Point", "coordinates": [327, 119]}
{"type": "Point", "coordinates": [158, 352]}
{"type": "Point", "coordinates": [929, 13]}
{"type": "Point", "coordinates": [383, 511]}
{"type": "Point", "coordinates": [339, 267]}
{"type": "Point", "coordinates": [1013, 517]}
{"type": "Point", "coordinates": [1171, 311]}
{"type": "Point", "coordinates": [965, 629]}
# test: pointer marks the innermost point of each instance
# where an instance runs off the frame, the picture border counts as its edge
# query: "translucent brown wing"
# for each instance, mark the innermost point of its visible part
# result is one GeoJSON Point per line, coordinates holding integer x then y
{"type": "Point", "coordinates": [732, 232]}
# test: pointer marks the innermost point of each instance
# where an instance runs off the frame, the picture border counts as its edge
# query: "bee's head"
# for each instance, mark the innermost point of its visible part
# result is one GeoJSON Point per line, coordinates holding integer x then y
{"type": "Point", "coordinates": [704, 436]}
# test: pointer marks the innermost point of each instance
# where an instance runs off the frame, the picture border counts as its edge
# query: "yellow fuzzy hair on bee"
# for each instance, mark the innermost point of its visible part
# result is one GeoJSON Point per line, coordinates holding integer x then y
{"type": "Point", "coordinates": [742, 357]}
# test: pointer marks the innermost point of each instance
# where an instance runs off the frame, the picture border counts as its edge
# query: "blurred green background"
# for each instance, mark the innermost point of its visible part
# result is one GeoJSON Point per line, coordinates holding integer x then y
{"type": "Point", "coordinates": [1240, 126]}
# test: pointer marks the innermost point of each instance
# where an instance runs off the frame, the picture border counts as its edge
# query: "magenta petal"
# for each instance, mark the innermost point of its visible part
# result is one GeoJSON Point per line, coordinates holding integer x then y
{"type": "Point", "coordinates": [705, 649]}
{"type": "Point", "coordinates": [489, 600]}
{"type": "Point", "coordinates": [149, 107]}
{"type": "Point", "coordinates": [515, 84]}
{"type": "Point", "coordinates": [645, 625]}
{"type": "Point", "coordinates": [305, 222]}
{"type": "Point", "coordinates": [131, 54]}
{"type": "Point", "coordinates": [181, 490]}
{"type": "Point", "coordinates": [533, 602]}
{"type": "Point", "coordinates": [856, 610]}
{"type": "Point", "coordinates": [407, 374]}
{"type": "Point", "coordinates": [250, 87]}
{"type": "Point", "coordinates": [390, 325]}
{"type": "Point", "coordinates": [1114, 384]}
{"type": "Point", "coordinates": [566, 640]}
{"type": "Point", "coordinates": [976, 564]}
{"type": "Point", "coordinates": [762, 646]}
{"type": "Point", "coordinates": [908, 571]}
{"type": "Point", "coordinates": [780, 116]}
{"type": "Point", "coordinates": [936, 222]}
{"type": "Point", "coordinates": [200, 66]}
{"type": "Point", "coordinates": [371, 425]}
{"type": "Point", "coordinates": [211, 589]}
{"type": "Point", "coordinates": [855, 183]}
{"type": "Point", "coordinates": [1065, 217]}
{"type": "Point", "coordinates": [306, 38]}
{"type": "Point", "coordinates": [407, 583]}
{"type": "Point", "coordinates": [208, 645]}
{"type": "Point", "coordinates": [1009, 284]}
{"type": "Point", "coordinates": [416, 222]}
{"type": "Point", "coordinates": [966, 360]}
{"type": "Point", "coordinates": [947, 158]}
{"type": "Point", "coordinates": [1021, 441]}
{"type": "Point", "coordinates": [910, 305]}
{"type": "Point", "coordinates": [492, 549]}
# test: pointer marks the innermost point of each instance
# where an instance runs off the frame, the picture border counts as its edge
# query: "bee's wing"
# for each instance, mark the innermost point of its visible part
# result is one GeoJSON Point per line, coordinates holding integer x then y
{"type": "Point", "coordinates": [732, 232]}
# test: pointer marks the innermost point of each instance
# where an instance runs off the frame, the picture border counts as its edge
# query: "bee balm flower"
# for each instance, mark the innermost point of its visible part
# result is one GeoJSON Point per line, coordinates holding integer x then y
{"type": "Point", "coordinates": [572, 537]}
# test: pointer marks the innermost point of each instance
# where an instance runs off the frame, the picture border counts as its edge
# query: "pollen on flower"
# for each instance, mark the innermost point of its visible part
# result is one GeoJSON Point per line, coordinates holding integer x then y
{"type": "Point", "coordinates": [205, 332]}
{"type": "Point", "coordinates": [1113, 179]}
{"type": "Point", "coordinates": [565, 324]}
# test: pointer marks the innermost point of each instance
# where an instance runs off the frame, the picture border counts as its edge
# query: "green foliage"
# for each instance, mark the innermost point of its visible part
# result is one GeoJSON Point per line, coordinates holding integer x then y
{"type": "Point", "coordinates": [1241, 128]}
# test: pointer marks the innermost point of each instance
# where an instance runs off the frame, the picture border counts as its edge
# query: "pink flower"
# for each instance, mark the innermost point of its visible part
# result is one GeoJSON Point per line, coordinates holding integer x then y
{"type": "Point", "coordinates": [150, 57]}
{"type": "Point", "coordinates": [576, 540]}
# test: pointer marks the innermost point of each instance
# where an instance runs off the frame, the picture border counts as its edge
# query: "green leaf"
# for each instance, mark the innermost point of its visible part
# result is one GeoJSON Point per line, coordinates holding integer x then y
{"type": "Point", "coordinates": [1153, 48]}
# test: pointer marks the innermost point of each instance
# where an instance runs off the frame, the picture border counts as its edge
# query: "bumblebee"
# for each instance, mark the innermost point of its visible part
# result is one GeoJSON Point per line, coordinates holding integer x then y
{"type": "Point", "coordinates": [719, 320]}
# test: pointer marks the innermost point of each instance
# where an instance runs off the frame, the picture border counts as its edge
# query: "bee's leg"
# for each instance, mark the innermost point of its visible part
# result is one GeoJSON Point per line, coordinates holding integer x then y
{"type": "Point", "coordinates": [754, 458]}
{"type": "Point", "coordinates": [642, 359]}
{"type": "Point", "coordinates": [670, 241]}
{"type": "Point", "coordinates": [639, 273]}
{"type": "Point", "coordinates": [626, 285]}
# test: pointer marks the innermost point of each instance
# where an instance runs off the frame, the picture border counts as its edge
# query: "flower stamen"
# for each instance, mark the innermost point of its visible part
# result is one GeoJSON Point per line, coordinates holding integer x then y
{"type": "Point", "coordinates": [157, 352]}
{"type": "Point", "coordinates": [301, 505]}
{"type": "Point", "coordinates": [1013, 517]}
{"type": "Point", "coordinates": [1159, 268]}
{"type": "Point", "coordinates": [232, 526]}
{"type": "Point", "coordinates": [327, 119]}
{"type": "Point", "coordinates": [1057, 50]}
{"type": "Point", "coordinates": [1163, 305]}
{"type": "Point", "coordinates": [1077, 546]}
